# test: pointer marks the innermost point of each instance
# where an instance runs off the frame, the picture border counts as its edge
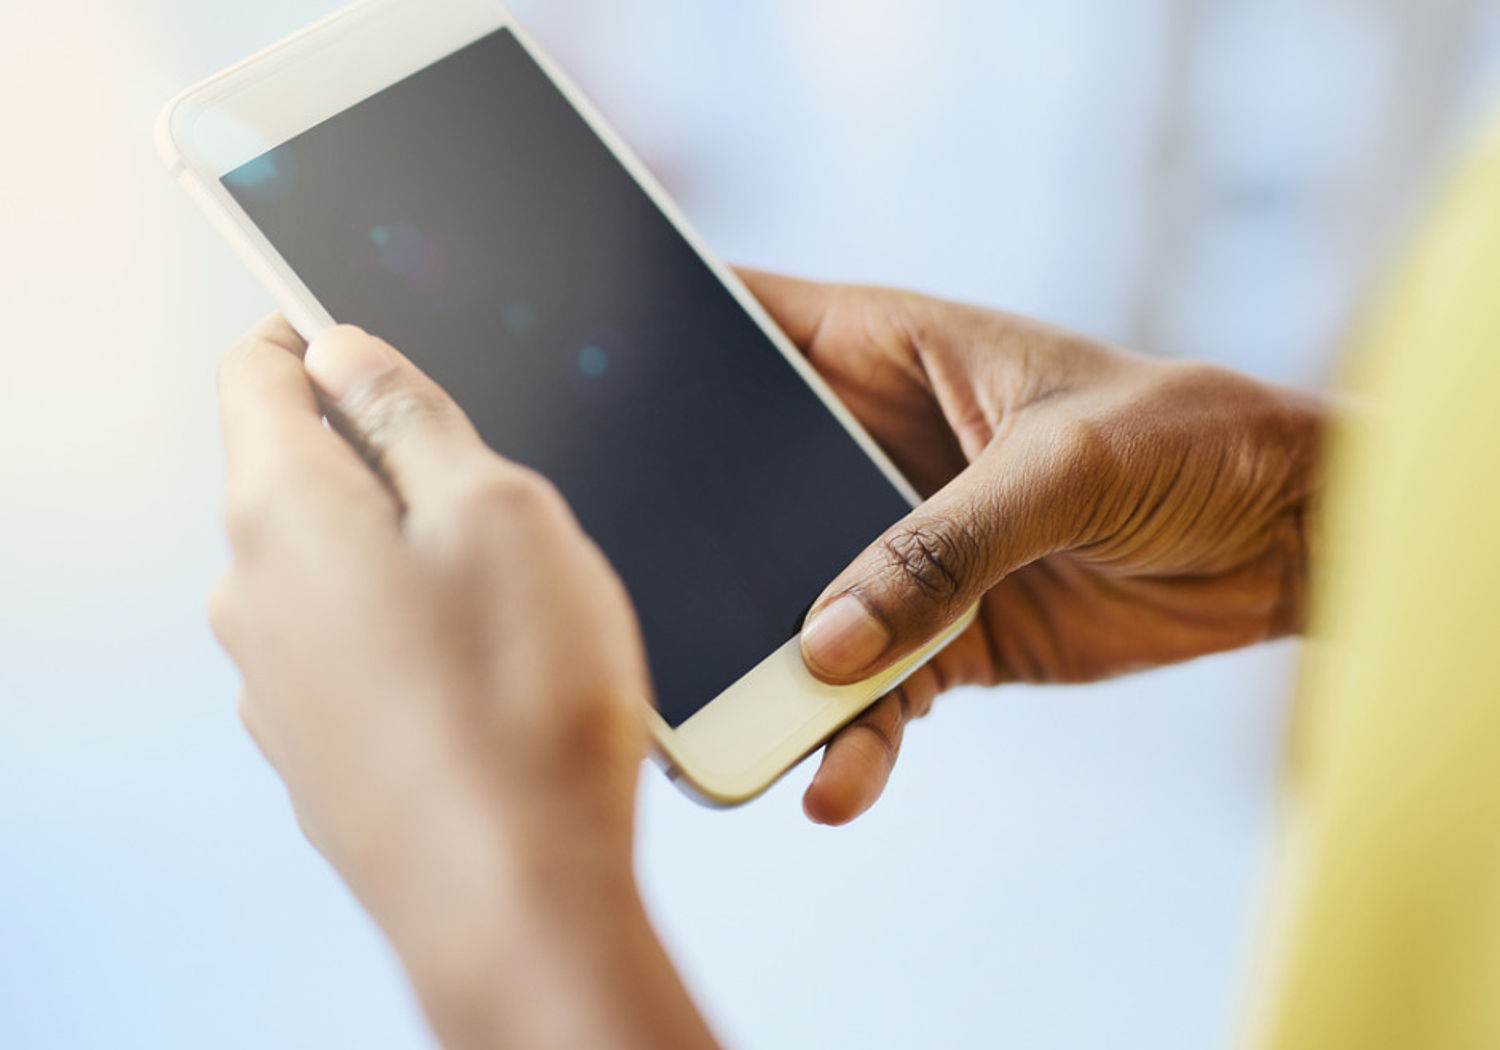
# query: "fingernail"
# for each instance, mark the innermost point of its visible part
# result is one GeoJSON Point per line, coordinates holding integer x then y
{"type": "Point", "coordinates": [343, 359]}
{"type": "Point", "coordinates": [843, 638]}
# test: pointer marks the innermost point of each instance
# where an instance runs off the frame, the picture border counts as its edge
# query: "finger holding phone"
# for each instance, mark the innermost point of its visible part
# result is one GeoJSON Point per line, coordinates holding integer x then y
{"type": "Point", "coordinates": [1107, 511]}
{"type": "Point", "coordinates": [447, 675]}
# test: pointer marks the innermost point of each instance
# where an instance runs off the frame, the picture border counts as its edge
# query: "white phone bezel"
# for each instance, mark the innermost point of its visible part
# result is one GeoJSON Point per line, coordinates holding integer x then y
{"type": "Point", "coordinates": [744, 739]}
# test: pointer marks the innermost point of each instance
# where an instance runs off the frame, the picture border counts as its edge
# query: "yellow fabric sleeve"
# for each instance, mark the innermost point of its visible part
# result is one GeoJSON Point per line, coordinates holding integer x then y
{"type": "Point", "coordinates": [1391, 931]}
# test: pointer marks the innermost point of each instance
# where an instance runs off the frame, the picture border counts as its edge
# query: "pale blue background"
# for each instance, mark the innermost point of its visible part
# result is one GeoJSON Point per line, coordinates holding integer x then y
{"type": "Point", "coordinates": [1052, 868]}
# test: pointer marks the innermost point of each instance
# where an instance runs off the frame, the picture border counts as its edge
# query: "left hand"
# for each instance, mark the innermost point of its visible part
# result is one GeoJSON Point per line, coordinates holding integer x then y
{"type": "Point", "coordinates": [448, 675]}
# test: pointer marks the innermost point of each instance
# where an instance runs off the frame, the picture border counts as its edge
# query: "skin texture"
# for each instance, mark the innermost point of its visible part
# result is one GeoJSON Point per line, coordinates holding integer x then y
{"type": "Point", "coordinates": [1107, 511]}
{"type": "Point", "coordinates": [448, 675]}
{"type": "Point", "coordinates": [406, 608]}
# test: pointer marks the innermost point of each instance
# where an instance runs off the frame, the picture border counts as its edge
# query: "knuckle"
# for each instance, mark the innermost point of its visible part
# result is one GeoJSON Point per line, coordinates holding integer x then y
{"type": "Point", "coordinates": [272, 332]}
{"type": "Point", "coordinates": [910, 315]}
{"type": "Point", "coordinates": [390, 409]}
{"type": "Point", "coordinates": [275, 330]}
{"type": "Point", "coordinates": [1080, 478]}
{"type": "Point", "coordinates": [1198, 380]}
{"type": "Point", "coordinates": [515, 493]}
{"type": "Point", "coordinates": [220, 607]}
{"type": "Point", "coordinates": [914, 703]}
{"type": "Point", "coordinates": [1084, 445]}
{"type": "Point", "coordinates": [235, 352]}
{"type": "Point", "coordinates": [881, 739]}
{"type": "Point", "coordinates": [495, 496]}
{"type": "Point", "coordinates": [936, 557]}
{"type": "Point", "coordinates": [880, 731]}
{"type": "Point", "coordinates": [246, 522]}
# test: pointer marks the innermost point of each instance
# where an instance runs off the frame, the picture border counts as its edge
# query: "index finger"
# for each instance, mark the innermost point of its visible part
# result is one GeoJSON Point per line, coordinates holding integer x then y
{"type": "Point", "coordinates": [842, 328]}
{"type": "Point", "coordinates": [799, 307]}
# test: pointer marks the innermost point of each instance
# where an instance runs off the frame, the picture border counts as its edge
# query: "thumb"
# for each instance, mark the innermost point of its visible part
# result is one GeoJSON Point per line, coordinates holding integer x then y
{"type": "Point", "coordinates": [1008, 508]}
{"type": "Point", "coordinates": [406, 426]}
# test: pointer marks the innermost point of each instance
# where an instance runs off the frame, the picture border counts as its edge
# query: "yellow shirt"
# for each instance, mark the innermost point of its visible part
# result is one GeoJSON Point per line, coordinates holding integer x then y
{"type": "Point", "coordinates": [1390, 935]}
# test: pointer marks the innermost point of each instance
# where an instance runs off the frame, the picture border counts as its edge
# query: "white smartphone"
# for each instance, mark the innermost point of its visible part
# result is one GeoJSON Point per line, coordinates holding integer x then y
{"type": "Point", "coordinates": [422, 169]}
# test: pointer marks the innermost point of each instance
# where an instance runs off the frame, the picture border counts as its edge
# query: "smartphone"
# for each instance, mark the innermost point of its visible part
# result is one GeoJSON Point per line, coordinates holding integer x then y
{"type": "Point", "coordinates": [420, 168]}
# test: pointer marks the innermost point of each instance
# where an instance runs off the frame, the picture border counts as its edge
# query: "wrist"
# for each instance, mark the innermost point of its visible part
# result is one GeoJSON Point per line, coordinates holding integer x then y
{"type": "Point", "coordinates": [449, 872]}
{"type": "Point", "coordinates": [557, 968]}
{"type": "Point", "coordinates": [1302, 425]}
{"type": "Point", "coordinates": [465, 878]}
{"type": "Point", "coordinates": [529, 964]}
{"type": "Point", "coordinates": [494, 912]}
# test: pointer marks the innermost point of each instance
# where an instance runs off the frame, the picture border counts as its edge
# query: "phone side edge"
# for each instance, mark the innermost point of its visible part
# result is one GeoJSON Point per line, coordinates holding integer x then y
{"type": "Point", "coordinates": [647, 181]}
{"type": "Point", "coordinates": [302, 309]}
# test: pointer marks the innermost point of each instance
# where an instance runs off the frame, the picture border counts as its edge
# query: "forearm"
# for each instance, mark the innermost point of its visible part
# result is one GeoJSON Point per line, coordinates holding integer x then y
{"type": "Point", "coordinates": [510, 947]}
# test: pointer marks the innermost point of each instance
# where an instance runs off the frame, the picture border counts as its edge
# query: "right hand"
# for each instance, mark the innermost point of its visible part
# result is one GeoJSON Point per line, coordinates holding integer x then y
{"type": "Point", "coordinates": [1106, 511]}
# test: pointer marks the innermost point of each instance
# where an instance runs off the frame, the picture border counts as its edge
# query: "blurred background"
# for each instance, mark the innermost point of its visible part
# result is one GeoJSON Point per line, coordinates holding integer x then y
{"type": "Point", "coordinates": [1050, 868]}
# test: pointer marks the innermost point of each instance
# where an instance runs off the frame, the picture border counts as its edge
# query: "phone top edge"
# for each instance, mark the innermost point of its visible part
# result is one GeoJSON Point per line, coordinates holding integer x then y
{"type": "Point", "coordinates": [166, 141]}
{"type": "Point", "coordinates": [442, 27]}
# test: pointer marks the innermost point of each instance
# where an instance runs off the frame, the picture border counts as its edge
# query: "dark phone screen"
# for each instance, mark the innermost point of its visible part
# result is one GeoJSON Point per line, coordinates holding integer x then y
{"type": "Point", "coordinates": [470, 216]}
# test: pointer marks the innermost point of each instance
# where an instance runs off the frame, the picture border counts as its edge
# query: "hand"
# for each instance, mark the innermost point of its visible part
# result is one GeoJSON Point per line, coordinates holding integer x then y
{"type": "Point", "coordinates": [449, 677]}
{"type": "Point", "coordinates": [1108, 512]}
